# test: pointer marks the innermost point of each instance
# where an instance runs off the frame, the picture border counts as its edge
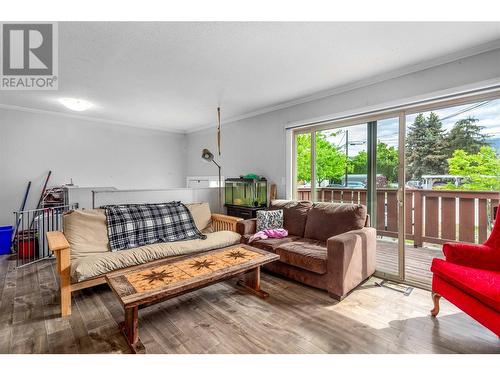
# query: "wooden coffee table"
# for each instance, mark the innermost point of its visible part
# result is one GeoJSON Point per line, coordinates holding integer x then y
{"type": "Point", "coordinates": [153, 283]}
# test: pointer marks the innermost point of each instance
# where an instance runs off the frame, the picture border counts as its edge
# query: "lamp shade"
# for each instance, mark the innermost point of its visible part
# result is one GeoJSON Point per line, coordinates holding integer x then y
{"type": "Point", "coordinates": [207, 155]}
{"type": "Point", "coordinates": [209, 158]}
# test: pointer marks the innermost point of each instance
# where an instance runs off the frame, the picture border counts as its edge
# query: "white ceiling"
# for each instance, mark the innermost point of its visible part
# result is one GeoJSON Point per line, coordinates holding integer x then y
{"type": "Point", "coordinates": [173, 75]}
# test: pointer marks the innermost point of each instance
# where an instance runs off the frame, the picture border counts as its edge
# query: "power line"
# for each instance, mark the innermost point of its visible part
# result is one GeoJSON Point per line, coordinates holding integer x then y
{"type": "Point", "coordinates": [342, 139]}
{"type": "Point", "coordinates": [474, 106]}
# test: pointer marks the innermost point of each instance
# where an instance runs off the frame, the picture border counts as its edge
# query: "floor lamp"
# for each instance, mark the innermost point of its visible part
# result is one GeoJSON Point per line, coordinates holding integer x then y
{"type": "Point", "coordinates": [209, 157]}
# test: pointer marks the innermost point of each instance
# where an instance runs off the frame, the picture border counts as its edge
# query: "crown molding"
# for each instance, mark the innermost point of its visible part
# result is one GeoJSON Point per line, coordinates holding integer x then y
{"type": "Point", "coordinates": [10, 107]}
{"type": "Point", "coordinates": [473, 51]}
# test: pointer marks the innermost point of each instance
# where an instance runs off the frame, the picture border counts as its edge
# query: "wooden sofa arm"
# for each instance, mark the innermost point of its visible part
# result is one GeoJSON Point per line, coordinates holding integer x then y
{"type": "Point", "coordinates": [224, 222]}
{"type": "Point", "coordinates": [59, 245]}
{"type": "Point", "coordinates": [57, 241]}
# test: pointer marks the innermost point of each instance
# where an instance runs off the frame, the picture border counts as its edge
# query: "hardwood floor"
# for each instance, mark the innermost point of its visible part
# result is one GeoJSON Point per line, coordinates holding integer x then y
{"type": "Point", "coordinates": [224, 319]}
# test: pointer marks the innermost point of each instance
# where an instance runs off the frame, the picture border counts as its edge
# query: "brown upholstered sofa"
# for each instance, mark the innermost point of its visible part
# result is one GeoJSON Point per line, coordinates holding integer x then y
{"type": "Point", "coordinates": [329, 245]}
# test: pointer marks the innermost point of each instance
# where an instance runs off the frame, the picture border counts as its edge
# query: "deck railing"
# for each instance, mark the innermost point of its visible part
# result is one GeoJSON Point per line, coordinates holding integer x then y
{"type": "Point", "coordinates": [432, 216]}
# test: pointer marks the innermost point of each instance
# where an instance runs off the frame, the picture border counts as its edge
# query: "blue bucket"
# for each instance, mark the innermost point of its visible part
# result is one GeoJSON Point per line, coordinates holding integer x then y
{"type": "Point", "coordinates": [5, 239]}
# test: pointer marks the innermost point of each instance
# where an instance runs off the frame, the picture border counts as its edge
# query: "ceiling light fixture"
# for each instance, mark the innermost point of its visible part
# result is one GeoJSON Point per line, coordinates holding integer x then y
{"type": "Point", "coordinates": [75, 104]}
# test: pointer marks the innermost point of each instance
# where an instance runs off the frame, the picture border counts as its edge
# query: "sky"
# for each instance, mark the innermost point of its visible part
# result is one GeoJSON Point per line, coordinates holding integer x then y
{"type": "Point", "coordinates": [488, 115]}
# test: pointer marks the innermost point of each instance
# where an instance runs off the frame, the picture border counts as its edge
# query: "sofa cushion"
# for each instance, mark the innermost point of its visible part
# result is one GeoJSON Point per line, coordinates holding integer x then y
{"type": "Point", "coordinates": [100, 263]}
{"type": "Point", "coordinates": [269, 244]}
{"type": "Point", "coordinates": [306, 254]}
{"type": "Point", "coordinates": [294, 215]}
{"type": "Point", "coordinates": [325, 220]}
{"type": "Point", "coordinates": [484, 285]}
{"type": "Point", "coordinates": [86, 232]}
{"type": "Point", "coordinates": [201, 215]}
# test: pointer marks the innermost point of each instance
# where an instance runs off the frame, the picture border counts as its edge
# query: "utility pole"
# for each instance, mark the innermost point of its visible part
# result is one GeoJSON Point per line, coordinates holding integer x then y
{"type": "Point", "coordinates": [346, 154]}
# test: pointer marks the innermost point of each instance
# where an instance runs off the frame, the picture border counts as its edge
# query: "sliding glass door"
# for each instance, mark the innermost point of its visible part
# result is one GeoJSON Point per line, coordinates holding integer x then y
{"type": "Point", "coordinates": [429, 174]}
{"type": "Point", "coordinates": [357, 163]}
{"type": "Point", "coordinates": [387, 206]}
{"type": "Point", "coordinates": [452, 173]}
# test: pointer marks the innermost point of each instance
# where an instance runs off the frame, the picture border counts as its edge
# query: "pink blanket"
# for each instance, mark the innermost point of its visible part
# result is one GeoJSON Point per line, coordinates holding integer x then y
{"type": "Point", "coordinates": [268, 233]}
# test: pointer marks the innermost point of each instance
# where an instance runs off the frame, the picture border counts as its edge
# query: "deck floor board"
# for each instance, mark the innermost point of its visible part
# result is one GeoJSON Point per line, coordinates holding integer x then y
{"type": "Point", "coordinates": [417, 261]}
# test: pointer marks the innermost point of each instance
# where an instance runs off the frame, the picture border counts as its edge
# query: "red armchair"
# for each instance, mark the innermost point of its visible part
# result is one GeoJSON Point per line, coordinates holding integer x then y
{"type": "Point", "coordinates": [470, 279]}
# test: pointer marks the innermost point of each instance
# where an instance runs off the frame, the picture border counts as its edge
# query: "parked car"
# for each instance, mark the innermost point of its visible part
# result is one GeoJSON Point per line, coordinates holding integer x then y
{"type": "Point", "coordinates": [414, 184]}
{"type": "Point", "coordinates": [350, 185]}
{"type": "Point", "coordinates": [355, 185]}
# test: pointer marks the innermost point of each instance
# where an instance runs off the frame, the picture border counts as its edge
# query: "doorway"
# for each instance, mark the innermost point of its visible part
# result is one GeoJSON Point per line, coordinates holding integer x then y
{"type": "Point", "coordinates": [428, 174]}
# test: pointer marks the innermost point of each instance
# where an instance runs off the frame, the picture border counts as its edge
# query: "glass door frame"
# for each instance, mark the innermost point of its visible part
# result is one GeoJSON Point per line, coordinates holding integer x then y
{"type": "Point", "coordinates": [400, 112]}
{"type": "Point", "coordinates": [371, 130]}
{"type": "Point", "coordinates": [401, 192]}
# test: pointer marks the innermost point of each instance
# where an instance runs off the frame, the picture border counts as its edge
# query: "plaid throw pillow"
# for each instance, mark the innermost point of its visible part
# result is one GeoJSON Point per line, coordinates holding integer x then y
{"type": "Point", "coordinates": [134, 225]}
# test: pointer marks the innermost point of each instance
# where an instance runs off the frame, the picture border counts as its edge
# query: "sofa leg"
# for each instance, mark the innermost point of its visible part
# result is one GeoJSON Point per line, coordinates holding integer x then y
{"type": "Point", "coordinates": [64, 281]}
{"type": "Point", "coordinates": [435, 299]}
{"type": "Point", "coordinates": [65, 296]}
{"type": "Point", "coordinates": [334, 296]}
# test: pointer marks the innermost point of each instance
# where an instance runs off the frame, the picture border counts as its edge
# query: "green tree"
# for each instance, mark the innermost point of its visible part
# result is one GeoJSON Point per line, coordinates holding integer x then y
{"type": "Point", "coordinates": [330, 160]}
{"type": "Point", "coordinates": [360, 163]}
{"type": "Point", "coordinates": [466, 135]}
{"type": "Point", "coordinates": [481, 170]}
{"type": "Point", "coordinates": [426, 147]}
{"type": "Point", "coordinates": [304, 157]}
{"type": "Point", "coordinates": [387, 162]}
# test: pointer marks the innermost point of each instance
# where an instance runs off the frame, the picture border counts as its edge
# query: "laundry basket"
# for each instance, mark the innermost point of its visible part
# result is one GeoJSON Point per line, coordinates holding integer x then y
{"type": "Point", "coordinates": [5, 239]}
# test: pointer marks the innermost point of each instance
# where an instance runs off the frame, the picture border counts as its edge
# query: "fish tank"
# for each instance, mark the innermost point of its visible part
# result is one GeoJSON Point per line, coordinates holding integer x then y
{"type": "Point", "coordinates": [246, 192]}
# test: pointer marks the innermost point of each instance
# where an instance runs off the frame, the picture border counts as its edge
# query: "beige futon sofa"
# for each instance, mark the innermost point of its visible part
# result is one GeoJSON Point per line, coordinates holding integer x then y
{"type": "Point", "coordinates": [84, 257]}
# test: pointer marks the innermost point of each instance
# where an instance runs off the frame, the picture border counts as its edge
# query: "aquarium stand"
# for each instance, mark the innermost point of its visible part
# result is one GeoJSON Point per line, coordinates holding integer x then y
{"type": "Point", "coordinates": [244, 212]}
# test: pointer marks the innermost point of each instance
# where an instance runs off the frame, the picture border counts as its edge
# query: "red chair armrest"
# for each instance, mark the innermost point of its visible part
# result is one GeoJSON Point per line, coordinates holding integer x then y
{"type": "Point", "coordinates": [475, 256]}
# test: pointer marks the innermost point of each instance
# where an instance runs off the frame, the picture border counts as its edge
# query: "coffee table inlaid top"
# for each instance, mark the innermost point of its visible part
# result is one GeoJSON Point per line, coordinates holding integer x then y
{"type": "Point", "coordinates": [171, 277]}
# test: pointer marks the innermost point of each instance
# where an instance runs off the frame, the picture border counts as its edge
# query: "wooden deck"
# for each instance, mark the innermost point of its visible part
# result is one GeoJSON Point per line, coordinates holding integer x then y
{"type": "Point", "coordinates": [418, 261]}
{"type": "Point", "coordinates": [432, 216]}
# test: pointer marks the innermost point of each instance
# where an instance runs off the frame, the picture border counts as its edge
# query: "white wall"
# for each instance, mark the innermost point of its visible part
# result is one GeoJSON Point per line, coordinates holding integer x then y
{"type": "Point", "coordinates": [92, 153]}
{"type": "Point", "coordinates": [258, 144]}
{"type": "Point", "coordinates": [185, 195]}
{"type": "Point", "coordinates": [100, 154]}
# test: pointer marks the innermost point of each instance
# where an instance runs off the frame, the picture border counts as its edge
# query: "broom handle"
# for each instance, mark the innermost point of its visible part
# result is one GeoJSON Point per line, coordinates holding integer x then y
{"type": "Point", "coordinates": [23, 204]}
{"type": "Point", "coordinates": [41, 196]}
